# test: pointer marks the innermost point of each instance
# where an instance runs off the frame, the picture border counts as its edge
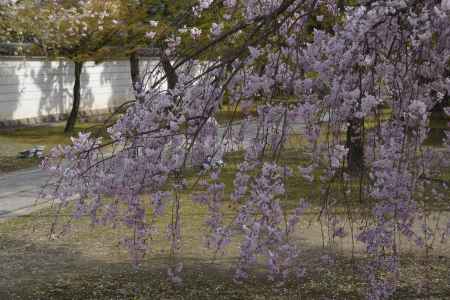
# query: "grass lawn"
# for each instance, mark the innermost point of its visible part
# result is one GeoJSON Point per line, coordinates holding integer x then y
{"type": "Point", "coordinates": [231, 113]}
{"type": "Point", "coordinates": [89, 263]}
{"type": "Point", "coordinates": [14, 140]}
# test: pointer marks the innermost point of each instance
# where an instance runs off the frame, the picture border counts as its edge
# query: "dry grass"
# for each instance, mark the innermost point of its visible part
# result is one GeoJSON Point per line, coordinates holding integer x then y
{"type": "Point", "coordinates": [89, 263]}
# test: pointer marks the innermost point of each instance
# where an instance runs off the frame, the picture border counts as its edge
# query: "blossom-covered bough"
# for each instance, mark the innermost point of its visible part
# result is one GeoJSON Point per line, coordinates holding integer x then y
{"type": "Point", "coordinates": [362, 91]}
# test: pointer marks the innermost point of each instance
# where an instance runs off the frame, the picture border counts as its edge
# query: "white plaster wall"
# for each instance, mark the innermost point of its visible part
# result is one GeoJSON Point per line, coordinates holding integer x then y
{"type": "Point", "coordinates": [37, 88]}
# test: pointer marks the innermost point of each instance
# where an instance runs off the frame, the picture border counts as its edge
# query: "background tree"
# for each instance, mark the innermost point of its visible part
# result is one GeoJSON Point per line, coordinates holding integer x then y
{"type": "Point", "coordinates": [132, 18]}
{"type": "Point", "coordinates": [7, 16]}
{"type": "Point", "coordinates": [4, 27]}
{"type": "Point", "coordinates": [152, 24]}
{"type": "Point", "coordinates": [78, 31]}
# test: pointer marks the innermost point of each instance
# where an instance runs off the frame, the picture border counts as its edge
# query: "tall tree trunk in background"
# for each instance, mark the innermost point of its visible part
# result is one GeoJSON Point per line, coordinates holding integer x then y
{"type": "Point", "coordinates": [438, 111]}
{"type": "Point", "coordinates": [169, 71]}
{"type": "Point", "coordinates": [70, 125]}
{"type": "Point", "coordinates": [439, 122]}
{"type": "Point", "coordinates": [355, 145]}
{"type": "Point", "coordinates": [135, 71]}
{"type": "Point", "coordinates": [341, 5]}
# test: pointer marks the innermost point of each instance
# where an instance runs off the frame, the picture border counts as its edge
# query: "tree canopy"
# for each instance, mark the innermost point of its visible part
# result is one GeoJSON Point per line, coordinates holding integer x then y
{"type": "Point", "coordinates": [367, 77]}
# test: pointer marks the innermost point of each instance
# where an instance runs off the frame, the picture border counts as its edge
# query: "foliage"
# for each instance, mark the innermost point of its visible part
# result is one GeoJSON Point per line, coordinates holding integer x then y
{"type": "Point", "coordinates": [77, 31]}
{"type": "Point", "coordinates": [7, 14]}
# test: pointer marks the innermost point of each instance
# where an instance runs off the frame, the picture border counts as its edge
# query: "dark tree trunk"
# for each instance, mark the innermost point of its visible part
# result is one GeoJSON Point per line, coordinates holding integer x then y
{"type": "Point", "coordinates": [438, 112]}
{"type": "Point", "coordinates": [341, 5]}
{"type": "Point", "coordinates": [70, 125]}
{"type": "Point", "coordinates": [438, 122]}
{"type": "Point", "coordinates": [134, 71]}
{"type": "Point", "coordinates": [355, 145]}
{"type": "Point", "coordinates": [169, 71]}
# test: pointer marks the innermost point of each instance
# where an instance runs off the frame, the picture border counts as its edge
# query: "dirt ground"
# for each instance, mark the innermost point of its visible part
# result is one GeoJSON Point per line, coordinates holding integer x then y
{"type": "Point", "coordinates": [89, 263]}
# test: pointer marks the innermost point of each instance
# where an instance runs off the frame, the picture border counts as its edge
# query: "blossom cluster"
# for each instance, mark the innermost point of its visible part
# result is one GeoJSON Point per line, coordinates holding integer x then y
{"type": "Point", "coordinates": [380, 58]}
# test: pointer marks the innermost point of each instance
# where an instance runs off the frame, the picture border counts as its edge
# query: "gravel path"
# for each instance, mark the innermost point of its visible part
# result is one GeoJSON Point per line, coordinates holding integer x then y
{"type": "Point", "coordinates": [19, 192]}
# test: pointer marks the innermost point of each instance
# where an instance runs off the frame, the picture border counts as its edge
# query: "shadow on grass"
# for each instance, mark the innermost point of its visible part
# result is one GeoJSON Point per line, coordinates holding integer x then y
{"type": "Point", "coordinates": [33, 271]}
{"type": "Point", "coordinates": [47, 270]}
